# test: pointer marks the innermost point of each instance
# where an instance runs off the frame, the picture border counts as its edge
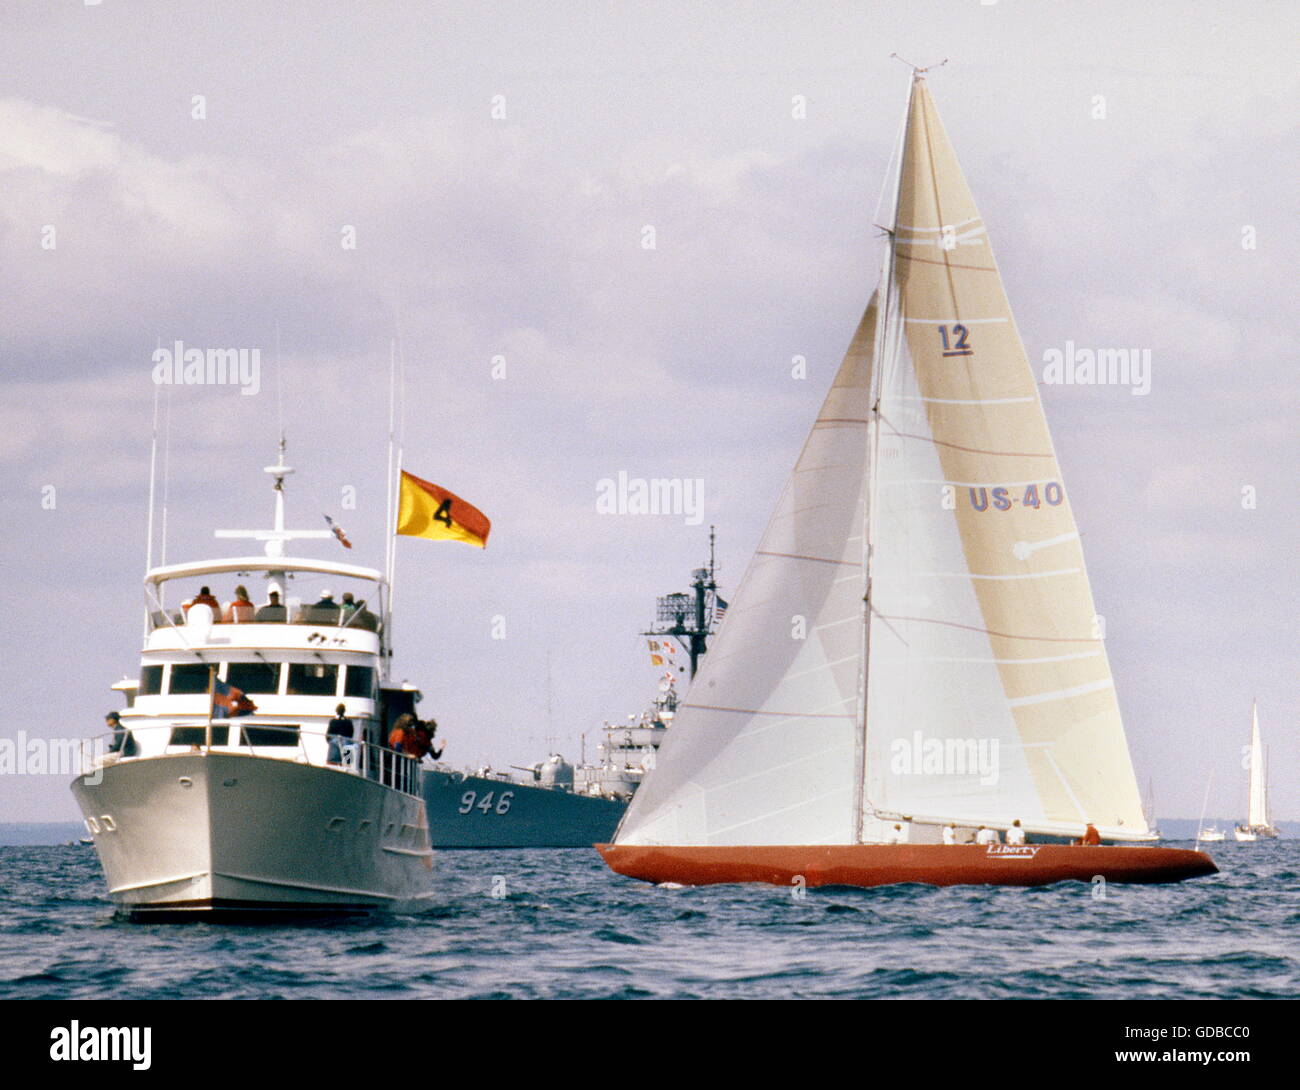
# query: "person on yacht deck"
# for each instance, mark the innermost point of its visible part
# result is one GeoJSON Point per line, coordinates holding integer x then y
{"type": "Point", "coordinates": [203, 598]}
{"type": "Point", "coordinates": [402, 737]}
{"type": "Point", "coordinates": [323, 611]}
{"type": "Point", "coordinates": [1016, 834]}
{"type": "Point", "coordinates": [425, 729]}
{"type": "Point", "coordinates": [123, 740]}
{"type": "Point", "coordinates": [340, 735]}
{"type": "Point", "coordinates": [273, 610]}
{"type": "Point", "coordinates": [239, 610]}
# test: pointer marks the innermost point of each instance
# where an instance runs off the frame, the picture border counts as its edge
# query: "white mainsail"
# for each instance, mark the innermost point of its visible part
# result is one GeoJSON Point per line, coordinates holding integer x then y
{"type": "Point", "coordinates": [763, 748]}
{"type": "Point", "coordinates": [1258, 801]}
{"type": "Point", "coordinates": [974, 686]}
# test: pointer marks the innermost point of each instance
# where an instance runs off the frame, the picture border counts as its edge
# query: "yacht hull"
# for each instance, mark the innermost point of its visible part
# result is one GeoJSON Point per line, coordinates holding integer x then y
{"type": "Point", "coordinates": [890, 864]}
{"type": "Point", "coordinates": [228, 833]}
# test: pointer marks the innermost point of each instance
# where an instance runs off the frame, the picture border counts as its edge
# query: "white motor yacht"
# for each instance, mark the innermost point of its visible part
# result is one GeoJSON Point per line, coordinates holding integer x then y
{"type": "Point", "coordinates": [222, 791]}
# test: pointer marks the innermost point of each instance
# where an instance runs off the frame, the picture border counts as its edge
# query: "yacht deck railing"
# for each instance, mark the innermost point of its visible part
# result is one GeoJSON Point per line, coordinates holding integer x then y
{"type": "Point", "coordinates": [277, 740]}
{"type": "Point", "coordinates": [319, 616]}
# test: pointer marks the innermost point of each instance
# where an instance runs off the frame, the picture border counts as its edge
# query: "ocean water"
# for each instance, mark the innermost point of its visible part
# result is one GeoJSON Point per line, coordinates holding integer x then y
{"type": "Point", "coordinates": [558, 924]}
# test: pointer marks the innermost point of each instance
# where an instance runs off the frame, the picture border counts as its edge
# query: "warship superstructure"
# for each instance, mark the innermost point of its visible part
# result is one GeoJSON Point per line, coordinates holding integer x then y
{"type": "Point", "coordinates": [554, 803]}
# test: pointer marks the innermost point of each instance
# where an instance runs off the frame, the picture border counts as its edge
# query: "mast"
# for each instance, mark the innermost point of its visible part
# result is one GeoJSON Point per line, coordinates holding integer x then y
{"type": "Point", "coordinates": [689, 617]}
{"type": "Point", "coordinates": [883, 325]}
{"type": "Point", "coordinates": [279, 471]}
{"type": "Point", "coordinates": [275, 538]}
{"type": "Point", "coordinates": [153, 466]}
{"type": "Point", "coordinates": [390, 526]}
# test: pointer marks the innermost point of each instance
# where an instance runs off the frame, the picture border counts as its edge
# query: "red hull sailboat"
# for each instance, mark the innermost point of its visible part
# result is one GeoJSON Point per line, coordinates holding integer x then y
{"type": "Point", "coordinates": [891, 864]}
{"type": "Point", "coordinates": [912, 663]}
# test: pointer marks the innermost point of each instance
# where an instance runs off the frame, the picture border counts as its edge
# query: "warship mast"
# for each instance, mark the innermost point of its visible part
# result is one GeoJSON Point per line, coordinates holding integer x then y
{"type": "Point", "coordinates": [690, 618]}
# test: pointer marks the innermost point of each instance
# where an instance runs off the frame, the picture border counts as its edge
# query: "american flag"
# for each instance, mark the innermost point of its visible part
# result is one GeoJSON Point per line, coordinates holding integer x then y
{"type": "Point", "coordinates": [338, 531]}
{"type": "Point", "coordinates": [719, 609]}
{"type": "Point", "coordinates": [229, 702]}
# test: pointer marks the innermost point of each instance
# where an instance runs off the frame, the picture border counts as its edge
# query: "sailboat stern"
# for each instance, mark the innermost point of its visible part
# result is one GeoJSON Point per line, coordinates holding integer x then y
{"type": "Point", "coordinates": [893, 864]}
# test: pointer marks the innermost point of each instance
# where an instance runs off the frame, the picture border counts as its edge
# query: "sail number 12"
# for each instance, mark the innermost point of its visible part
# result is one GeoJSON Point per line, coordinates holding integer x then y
{"type": "Point", "coordinates": [958, 344]}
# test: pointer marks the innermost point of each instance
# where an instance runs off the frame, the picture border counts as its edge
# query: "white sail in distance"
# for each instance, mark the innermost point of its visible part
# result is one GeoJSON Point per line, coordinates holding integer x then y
{"type": "Point", "coordinates": [1257, 804]}
{"type": "Point", "coordinates": [950, 666]}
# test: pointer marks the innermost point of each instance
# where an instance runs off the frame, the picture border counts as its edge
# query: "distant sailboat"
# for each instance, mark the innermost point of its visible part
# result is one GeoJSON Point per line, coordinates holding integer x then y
{"type": "Point", "coordinates": [1258, 826]}
{"type": "Point", "coordinates": [1149, 810]}
{"type": "Point", "coordinates": [912, 654]}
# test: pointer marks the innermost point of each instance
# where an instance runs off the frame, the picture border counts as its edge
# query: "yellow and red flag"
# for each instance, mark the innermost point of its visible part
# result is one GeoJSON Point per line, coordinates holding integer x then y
{"type": "Point", "coordinates": [425, 510]}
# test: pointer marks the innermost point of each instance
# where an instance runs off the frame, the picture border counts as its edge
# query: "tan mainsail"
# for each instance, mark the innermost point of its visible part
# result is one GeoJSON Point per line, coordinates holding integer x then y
{"type": "Point", "coordinates": [929, 487]}
{"type": "Point", "coordinates": [1000, 631]}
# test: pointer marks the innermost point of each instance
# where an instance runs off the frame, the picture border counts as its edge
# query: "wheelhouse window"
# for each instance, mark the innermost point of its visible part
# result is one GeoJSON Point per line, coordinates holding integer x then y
{"type": "Point", "coordinates": [199, 735]}
{"type": "Point", "coordinates": [313, 679]}
{"type": "Point", "coordinates": [359, 681]}
{"type": "Point", "coordinates": [189, 677]}
{"type": "Point", "coordinates": [150, 681]}
{"type": "Point", "coordinates": [254, 677]}
{"type": "Point", "coordinates": [269, 734]}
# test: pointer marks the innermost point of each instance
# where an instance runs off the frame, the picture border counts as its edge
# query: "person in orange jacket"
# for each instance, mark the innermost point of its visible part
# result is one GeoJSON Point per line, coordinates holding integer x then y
{"type": "Point", "coordinates": [402, 736]}
{"type": "Point", "coordinates": [1090, 837]}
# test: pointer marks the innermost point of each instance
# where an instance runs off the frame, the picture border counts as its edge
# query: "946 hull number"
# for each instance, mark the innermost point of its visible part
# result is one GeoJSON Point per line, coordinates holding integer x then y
{"type": "Point", "coordinates": [489, 803]}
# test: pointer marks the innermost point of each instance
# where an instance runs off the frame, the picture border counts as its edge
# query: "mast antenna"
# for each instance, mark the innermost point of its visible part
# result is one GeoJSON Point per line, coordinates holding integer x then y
{"type": "Point", "coordinates": [917, 70]}
{"type": "Point", "coordinates": [279, 386]}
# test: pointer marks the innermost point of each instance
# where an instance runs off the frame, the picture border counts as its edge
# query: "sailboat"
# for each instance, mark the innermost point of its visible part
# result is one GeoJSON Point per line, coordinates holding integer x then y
{"type": "Point", "coordinates": [911, 662]}
{"type": "Point", "coordinates": [1258, 826]}
{"type": "Point", "coordinates": [1149, 810]}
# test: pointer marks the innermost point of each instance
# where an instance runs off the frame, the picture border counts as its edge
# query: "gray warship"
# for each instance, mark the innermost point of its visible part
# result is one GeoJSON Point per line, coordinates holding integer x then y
{"type": "Point", "coordinates": [556, 804]}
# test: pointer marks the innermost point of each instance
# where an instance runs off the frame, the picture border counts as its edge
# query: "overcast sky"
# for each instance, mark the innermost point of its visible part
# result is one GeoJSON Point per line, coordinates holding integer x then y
{"type": "Point", "coordinates": [1135, 165]}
